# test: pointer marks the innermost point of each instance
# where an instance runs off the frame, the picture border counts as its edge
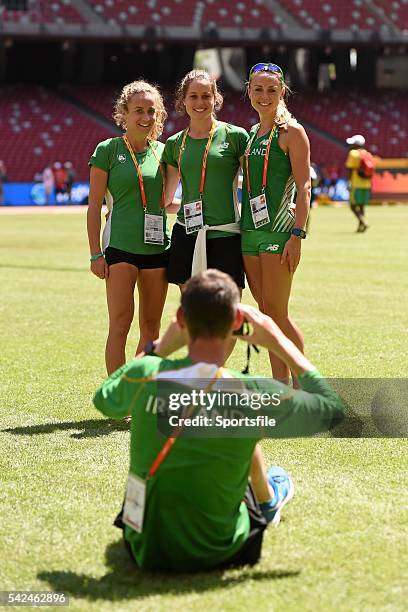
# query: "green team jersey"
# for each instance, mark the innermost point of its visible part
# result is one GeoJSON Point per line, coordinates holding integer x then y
{"type": "Point", "coordinates": [194, 515]}
{"type": "Point", "coordinates": [280, 184]}
{"type": "Point", "coordinates": [220, 203]}
{"type": "Point", "coordinates": [125, 226]}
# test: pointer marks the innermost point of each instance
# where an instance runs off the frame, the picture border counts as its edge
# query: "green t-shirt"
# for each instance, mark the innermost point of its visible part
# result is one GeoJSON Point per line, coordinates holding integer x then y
{"type": "Point", "coordinates": [280, 185]}
{"type": "Point", "coordinates": [220, 204]}
{"type": "Point", "coordinates": [194, 516]}
{"type": "Point", "coordinates": [125, 227]}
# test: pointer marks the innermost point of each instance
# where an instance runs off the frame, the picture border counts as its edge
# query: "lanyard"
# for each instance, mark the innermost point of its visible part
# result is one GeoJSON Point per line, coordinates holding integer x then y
{"type": "Point", "coordinates": [207, 148]}
{"type": "Point", "coordinates": [266, 159]}
{"type": "Point", "coordinates": [170, 441]}
{"type": "Point", "coordinates": [140, 175]}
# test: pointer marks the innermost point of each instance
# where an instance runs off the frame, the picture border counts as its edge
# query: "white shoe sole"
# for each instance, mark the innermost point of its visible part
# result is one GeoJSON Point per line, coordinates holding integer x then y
{"type": "Point", "coordinates": [276, 519]}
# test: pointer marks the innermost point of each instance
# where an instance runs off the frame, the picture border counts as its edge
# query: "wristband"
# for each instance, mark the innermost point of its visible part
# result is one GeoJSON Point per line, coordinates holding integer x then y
{"type": "Point", "coordinates": [95, 257]}
{"type": "Point", "coordinates": [296, 231]}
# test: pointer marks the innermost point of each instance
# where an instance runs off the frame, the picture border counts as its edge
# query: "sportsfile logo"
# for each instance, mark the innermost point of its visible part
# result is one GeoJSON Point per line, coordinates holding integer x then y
{"type": "Point", "coordinates": [272, 247]}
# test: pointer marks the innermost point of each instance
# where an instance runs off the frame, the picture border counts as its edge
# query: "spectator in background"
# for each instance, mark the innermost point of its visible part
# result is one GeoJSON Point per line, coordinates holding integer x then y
{"type": "Point", "coordinates": [360, 168]}
{"type": "Point", "coordinates": [3, 179]}
{"type": "Point", "coordinates": [71, 174]}
{"type": "Point", "coordinates": [48, 182]}
{"type": "Point", "coordinates": [60, 178]}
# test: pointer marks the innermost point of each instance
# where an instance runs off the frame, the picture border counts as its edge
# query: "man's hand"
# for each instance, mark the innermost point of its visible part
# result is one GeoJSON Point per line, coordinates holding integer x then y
{"type": "Point", "coordinates": [266, 333]}
{"type": "Point", "coordinates": [291, 253]}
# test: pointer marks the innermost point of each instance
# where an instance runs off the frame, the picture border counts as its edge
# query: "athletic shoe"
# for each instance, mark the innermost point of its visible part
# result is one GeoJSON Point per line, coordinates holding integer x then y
{"type": "Point", "coordinates": [284, 490]}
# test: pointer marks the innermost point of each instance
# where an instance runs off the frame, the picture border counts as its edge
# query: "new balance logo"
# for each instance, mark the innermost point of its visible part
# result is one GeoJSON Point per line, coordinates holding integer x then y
{"type": "Point", "coordinates": [272, 247]}
{"type": "Point", "coordinates": [223, 146]}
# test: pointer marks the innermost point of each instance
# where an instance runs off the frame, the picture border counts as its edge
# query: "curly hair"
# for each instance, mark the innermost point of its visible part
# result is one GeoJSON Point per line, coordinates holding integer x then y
{"type": "Point", "coordinates": [196, 75]}
{"type": "Point", "coordinates": [283, 114]}
{"type": "Point", "coordinates": [132, 89]}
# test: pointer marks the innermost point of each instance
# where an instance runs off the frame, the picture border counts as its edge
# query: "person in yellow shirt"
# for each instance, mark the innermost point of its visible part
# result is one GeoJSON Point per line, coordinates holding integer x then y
{"type": "Point", "coordinates": [360, 167]}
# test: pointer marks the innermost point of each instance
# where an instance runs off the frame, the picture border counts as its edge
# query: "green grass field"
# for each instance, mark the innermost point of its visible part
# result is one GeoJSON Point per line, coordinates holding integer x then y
{"type": "Point", "coordinates": [342, 545]}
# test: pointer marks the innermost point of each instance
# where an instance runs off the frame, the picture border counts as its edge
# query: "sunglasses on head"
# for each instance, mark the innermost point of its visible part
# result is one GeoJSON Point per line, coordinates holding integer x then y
{"type": "Point", "coordinates": [266, 67]}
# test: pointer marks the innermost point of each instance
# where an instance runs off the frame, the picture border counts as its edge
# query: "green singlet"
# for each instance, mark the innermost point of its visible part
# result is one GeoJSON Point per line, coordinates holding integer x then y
{"type": "Point", "coordinates": [194, 515]}
{"type": "Point", "coordinates": [280, 185]}
{"type": "Point", "coordinates": [220, 204]}
{"type": "Point", "coordinates": [125, 227]}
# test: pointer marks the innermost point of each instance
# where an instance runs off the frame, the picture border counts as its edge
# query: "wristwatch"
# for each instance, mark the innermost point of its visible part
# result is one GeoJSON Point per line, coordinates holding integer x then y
{"type": "Point", "coordinates": [149, 348]}
{"type": "Point", "coordinates": [296, 231]}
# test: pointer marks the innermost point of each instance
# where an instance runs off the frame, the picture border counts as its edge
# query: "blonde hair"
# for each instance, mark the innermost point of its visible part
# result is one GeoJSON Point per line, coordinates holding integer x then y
{"type": "Point", "coordinates": [130, 90]}
{"type": "Point", "coordinates": [196, 75]}
{"type": "Point", "coordinates": [283, 114]}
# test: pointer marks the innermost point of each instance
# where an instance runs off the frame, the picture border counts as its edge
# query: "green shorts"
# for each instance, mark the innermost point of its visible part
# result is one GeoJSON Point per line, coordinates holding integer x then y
{"type": "Point", "coordinates": [254, 242]}
{"type": "Point", "coordinates": [360, 196]}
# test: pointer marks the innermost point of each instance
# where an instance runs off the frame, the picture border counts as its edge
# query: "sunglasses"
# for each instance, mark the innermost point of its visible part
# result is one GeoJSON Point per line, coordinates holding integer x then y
{"type": "Point", "coordinates": [267, 67]}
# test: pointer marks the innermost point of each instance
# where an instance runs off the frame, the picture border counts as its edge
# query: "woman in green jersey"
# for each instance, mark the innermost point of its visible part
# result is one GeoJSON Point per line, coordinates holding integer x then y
{"type": "Point", "coordinates": [275, 201]}
{"type": "Point", "coordinates": [128, 173]}
{"type": "Point", "coordinates": [206, 156]}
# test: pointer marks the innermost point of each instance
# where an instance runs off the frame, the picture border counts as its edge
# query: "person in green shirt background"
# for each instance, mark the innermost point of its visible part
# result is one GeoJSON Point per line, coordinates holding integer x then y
{"type": "Point", "coordinates": [189, 505]}
{"type": "Point", "coordinates": [206, 157]}
{"type": "Point", "coordinates": [128, 174]}
{"type": "Point", "coordinates": [275, 202]}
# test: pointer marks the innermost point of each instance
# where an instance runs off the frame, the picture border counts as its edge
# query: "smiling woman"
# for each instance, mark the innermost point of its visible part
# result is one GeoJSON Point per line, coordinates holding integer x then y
{"type": "Point", "coordinates": [275, 201]}
{"type": "Point", "coordinates": [128, 173]}
{"type": "Point", "coordinates": [206, 157]}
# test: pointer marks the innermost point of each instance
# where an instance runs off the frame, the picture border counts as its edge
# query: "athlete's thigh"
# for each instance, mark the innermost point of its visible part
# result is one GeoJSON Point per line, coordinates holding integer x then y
{"type": "Point", "coordinates": [276, 284]}
{"type": "Point", "coordinates": [252, 265]}
{"type": "Point", "coordinates": [152, 285]}
{"type": "Point", "coordinates": [120, 287]}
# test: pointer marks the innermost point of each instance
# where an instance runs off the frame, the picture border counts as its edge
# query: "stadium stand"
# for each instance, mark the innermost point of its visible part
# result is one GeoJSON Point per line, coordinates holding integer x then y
{"type": "Point", "coordinates": [329, 14]}
{"type": "Point", "coordinates": [55, 12]}
{"type": "Point", "coordinates": [243, 13]}
{"type": "Point", "coordinates": [382, 116]}
{"type": "Point", "coordinates": [148, 13]}
{"type": "Point", "coordinates": [396, 10]}
{"type": "Point", "coordinates": [37, 128]}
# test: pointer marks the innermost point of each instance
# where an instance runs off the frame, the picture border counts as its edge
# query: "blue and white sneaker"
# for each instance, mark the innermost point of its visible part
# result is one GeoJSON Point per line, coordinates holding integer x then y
{"type": "Point", "coordinates": [284, 490]}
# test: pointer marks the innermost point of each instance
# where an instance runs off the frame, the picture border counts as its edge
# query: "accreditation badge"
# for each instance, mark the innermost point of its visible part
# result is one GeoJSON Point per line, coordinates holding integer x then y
{"type": "Point", "coordinates": [135, 501]}
{"type": "Point", "coordinates": [259, 210]}
{"type": "Point", "coordinates": [153, 229]}
{"type": "Point", "coordinates": [193, 216]}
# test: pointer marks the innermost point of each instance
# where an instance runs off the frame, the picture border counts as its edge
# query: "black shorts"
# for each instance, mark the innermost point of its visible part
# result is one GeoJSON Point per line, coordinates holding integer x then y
{"type": "Point", "coordinates": [222, 253]}
{"type": "Point", "coordinates": [250, 551]}
{"type": "Point", "coordinates": [144, 262]}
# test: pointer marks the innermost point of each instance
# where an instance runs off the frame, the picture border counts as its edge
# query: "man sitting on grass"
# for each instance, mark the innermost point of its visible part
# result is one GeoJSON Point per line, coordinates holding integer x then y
{"type": "Point", "coordinates": [196, 503]}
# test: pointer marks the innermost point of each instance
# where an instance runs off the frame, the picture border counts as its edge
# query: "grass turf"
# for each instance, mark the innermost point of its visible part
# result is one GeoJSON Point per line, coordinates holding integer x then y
{"type": "Point", "coordinates": [341, 544]}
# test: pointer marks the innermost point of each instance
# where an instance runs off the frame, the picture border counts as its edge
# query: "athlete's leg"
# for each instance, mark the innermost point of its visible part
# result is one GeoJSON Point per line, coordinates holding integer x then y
{"type": "Point", "coordinates": [152, 286]}
{"type": "Point", "coordinates": [252, 265]}
{"type": "Point", "coordinates": [120, 286]}
{"type": "Point", "coordinates": [276, 286]}
{"type": "Point", "coordinates": [259, 478]}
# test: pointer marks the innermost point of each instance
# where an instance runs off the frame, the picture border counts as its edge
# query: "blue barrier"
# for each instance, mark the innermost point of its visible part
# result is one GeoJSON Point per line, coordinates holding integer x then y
{"type": "Point", "coordinates": [33, 194]}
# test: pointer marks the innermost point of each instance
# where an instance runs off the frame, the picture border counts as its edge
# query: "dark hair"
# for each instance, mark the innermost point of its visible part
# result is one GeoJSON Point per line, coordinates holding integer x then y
{"type": "Point", "coordinates": [196, 75]}
{"type": "Point", "coordinates": [209, 302]}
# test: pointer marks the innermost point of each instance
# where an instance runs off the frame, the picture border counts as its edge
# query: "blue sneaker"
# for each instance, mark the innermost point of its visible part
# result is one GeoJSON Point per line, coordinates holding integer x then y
{"type": "Point", "coordinates": [284, 490]}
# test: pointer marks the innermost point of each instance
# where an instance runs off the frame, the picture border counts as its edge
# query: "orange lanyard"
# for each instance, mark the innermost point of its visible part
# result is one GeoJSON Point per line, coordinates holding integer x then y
{"type": "Point", "coordinates": [140, 175]}
{"type": "Point", "coordinates": [266, 159]}
{"type": "Point", "coordinates": [170, 441]}
{"type": "Point", "coordinates": [207, 148]}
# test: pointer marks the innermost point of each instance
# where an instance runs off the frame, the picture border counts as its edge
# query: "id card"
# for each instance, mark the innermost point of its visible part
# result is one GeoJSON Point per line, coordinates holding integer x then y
{"type": "Point", "coordinates": [135, 501]}
{"type": "Point", "coordinates": [259, 210]}
{"type": "Point", "coordinates": [153, 229]}
{"type": "Point", "coordinates": [193, 216]}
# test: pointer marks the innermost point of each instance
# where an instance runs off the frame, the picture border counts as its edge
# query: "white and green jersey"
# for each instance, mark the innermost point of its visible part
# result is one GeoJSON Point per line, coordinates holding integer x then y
{"type": "Point", "coordinates": [125, 226]}
{"type": "Point", "coordinates": [280, 185]}
{"type": "Point", "coordinates": [220, 203]}
{"type": "Point", "coordinates": [195, 517]}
